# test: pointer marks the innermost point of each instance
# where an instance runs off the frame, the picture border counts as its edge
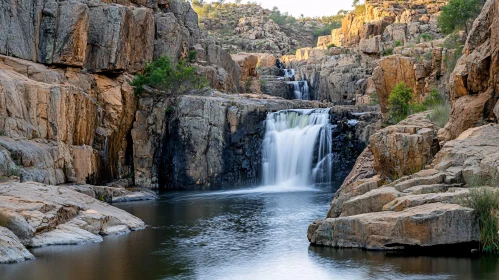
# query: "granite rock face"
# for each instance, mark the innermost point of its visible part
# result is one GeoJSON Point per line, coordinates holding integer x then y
{"type": "Point", "coordinates": [11, 248]}
{"type": "Point", "coordinates": [404, 148]}
{"type": "Point", "coordinates": [207, 142]}
{"type": "Point", "coordinates": [99, 36]}
{"type": "Point", "coordinates": [473, 84]}
{"type": "Point", "coordinates": [421, 209]}
{"type": "Point", "coordinates": [63, 125]}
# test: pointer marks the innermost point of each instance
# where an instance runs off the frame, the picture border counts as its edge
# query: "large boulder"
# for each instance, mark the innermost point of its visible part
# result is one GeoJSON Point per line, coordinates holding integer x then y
{"type": "Point", "coordinates": [404, 148]}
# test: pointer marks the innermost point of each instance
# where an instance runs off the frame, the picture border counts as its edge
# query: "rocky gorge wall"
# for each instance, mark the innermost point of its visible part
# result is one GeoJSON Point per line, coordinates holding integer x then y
{"type": "Point", "coordinates": [66, 106]}
{"type": "Point", "coordinates": [378, 46]}
{"type": "Point", "coordinates": [409, 187]}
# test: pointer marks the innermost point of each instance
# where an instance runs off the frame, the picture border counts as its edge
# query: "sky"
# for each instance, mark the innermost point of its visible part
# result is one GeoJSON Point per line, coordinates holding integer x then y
{"type": "Point", "coordinates": [310, 8]}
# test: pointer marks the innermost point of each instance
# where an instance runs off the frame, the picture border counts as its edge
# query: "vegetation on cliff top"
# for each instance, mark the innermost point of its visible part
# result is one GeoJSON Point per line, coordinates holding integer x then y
{"type": "Point", "coordinates": [459, 15]}
{"type": "Point", "coordinates": [174, 78]}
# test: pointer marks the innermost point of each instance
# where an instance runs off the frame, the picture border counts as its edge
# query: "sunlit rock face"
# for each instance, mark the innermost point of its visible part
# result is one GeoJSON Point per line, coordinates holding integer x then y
{"type": "Point", "coordinates": [473, 84]}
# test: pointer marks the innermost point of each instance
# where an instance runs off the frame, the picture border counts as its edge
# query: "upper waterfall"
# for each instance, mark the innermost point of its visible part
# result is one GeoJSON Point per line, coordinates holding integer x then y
{"type": "Point", "coordinates": [297, 148]}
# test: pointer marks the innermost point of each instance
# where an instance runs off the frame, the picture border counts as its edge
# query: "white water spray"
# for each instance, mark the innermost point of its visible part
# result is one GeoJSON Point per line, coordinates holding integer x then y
{"type": "Point", "coordinates": [297, 148]}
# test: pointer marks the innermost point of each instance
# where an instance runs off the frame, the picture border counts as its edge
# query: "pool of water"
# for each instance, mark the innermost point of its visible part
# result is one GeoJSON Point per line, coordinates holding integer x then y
{"type": "Point", "coordinates": [245, 234]}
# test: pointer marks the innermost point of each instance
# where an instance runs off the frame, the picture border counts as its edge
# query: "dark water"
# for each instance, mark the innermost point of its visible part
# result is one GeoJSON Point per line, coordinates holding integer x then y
{"type": "Point", "coordinates": [234, 235]}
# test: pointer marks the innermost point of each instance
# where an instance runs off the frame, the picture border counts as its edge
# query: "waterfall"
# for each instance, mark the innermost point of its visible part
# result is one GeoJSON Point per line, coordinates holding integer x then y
{"type": "Point", "coordinates": [301, 90]}
{"type": "Point", "coordinates": [297, 148]}
{"type": "Point", "coordinates": [289, 73]}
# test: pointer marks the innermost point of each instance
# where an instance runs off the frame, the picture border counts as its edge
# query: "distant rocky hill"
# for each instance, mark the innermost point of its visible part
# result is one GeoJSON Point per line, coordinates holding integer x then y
{"type": "Point", "coordinates": [251, 28]}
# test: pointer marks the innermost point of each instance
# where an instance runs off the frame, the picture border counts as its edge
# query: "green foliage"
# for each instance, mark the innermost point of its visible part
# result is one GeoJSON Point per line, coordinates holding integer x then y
{"type": "Point", "coordinates": [2, 132]}
{"type": "Point", "coordinates": [433, 99]}
{"type": "Point", "coordinates": [485, 201]}
{"type": "Point", "coordinates": [458, 15]}
{"type": "Point", "coordinates": [281, 19]}
{"type": "Point", "coordinates": [193, 55]}
{"type": "Point", "coordinates": [399, 100]}
{"type": "Point", "coordinates": [331, 46]}
{"type": "Point", "coordinates": [387, 52]}
{"type": "Point", "coordinates": [398, 43]}
{"type": "Point", "coordinates": [326, 30]}
{"type": "Point", "coordinates": [374, 99]}
{"type": "Point", "coordinates": [263, 83]}
{"type": "Point", "coordinates": [175, 78]}
{"type": "Point", "coordinates": [425, 37]}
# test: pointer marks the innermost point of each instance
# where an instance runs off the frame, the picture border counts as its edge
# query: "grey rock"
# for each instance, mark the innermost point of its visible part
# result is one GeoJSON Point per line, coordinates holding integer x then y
{"type": "Point", "coordinates": [11, 249]}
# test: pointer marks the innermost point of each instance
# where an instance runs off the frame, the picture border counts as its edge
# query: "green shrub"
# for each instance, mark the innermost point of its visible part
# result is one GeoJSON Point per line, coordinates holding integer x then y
{"type": "Point", "coordinates": [433, 99]}
{"type": "Point", "coordinates": [175, 78]}
{"type": "Point", "coordinates": [398, 43]}
{"type": "Point", "coordinates": [425, 37]}
{"type": "Point", "coordinates": [485, 201]}
{"type": "Point", "coordinates": [193, 55]}
{"type": "Point", "coordinates": [387, 52]}
{"type": "Point", "coordinates": [440, 114]}
{"type": "Point", "coordinates": [331, 46]}
{"type": "Point", "coordinates": [399, 100]}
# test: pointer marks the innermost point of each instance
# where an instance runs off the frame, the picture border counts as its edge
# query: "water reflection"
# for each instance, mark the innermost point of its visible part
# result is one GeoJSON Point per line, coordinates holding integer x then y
{"type": "Point", "coordinates": [235, 235]}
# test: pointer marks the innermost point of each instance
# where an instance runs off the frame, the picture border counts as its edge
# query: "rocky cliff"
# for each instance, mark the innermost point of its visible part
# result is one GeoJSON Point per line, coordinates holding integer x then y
{"type": "Point", "coordinates": [379, 45]}
{"type": "Point", "coordinates": [474, 83]}
{"type": "Point", "coordinates": [66, 107]}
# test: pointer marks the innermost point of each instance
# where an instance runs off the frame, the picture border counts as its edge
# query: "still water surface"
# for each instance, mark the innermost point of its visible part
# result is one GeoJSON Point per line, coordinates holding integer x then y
{"type": "Point", "coordinates": [256, 234]}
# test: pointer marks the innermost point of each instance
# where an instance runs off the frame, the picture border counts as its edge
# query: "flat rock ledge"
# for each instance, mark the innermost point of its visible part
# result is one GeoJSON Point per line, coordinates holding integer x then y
{"type": "Point", "coordinates": [426, 225]}
{"type": "Point", "coordinates": [35, 215]}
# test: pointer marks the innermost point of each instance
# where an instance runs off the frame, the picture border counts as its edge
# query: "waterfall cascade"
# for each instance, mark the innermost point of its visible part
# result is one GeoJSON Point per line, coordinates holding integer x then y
{"type": "Point", "coordinates": [297, 148]}
{"type": "Point", "coordinates": [301, 90]}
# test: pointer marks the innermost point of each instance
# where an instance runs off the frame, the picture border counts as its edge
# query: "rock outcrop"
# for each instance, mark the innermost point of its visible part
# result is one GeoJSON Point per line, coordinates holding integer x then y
{"type": "Point", "coordinates": [11, 248]}
{"type": "Point", "coordinates": [473, 84]}
{"type": "Point", "coordinates": [417, 209]}
{"type": "Point", "coordinates": [39, 215]}
{"type": "Point", "coordinates": [63, 125]}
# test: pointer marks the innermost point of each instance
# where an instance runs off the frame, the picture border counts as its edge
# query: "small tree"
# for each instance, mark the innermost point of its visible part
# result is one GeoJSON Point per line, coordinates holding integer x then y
{"type": "Point", "coordinates": [163, 76]}
{"type": "Point", "coordinates": [459, 14]}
